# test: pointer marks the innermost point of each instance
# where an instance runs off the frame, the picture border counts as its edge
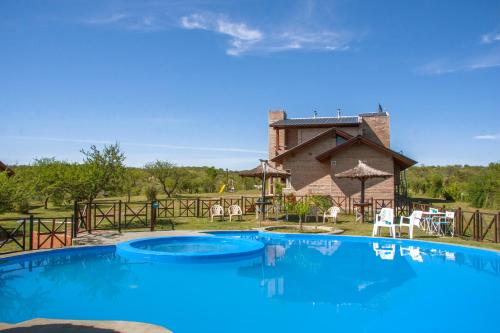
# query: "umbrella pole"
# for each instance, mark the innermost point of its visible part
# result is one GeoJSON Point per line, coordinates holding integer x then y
{"type": "Point", "coordinates": [362, 200]}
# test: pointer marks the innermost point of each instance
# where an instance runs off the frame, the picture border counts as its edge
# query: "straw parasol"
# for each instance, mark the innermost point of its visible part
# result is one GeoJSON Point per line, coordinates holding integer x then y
{"type": "Point", "coordinates": [363, 172]}
{"type": "Point", "coordinates": [259, 171]}
{"type": "Point", "coordinates": [264, 171]}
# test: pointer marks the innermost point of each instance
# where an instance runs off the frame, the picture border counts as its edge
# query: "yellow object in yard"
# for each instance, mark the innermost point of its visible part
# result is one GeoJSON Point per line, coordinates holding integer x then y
{"type": "Point", "coordinates": [222, 188]}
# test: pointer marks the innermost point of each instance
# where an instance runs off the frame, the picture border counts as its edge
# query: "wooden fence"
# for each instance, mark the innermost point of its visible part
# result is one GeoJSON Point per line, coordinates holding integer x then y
{"type": "Point", "coordinates": [30, 233]}
{"type": "Point", "coordinates": [33, 233]}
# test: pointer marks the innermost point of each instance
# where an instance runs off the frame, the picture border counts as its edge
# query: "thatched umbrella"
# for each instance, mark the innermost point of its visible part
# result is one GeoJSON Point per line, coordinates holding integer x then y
{"type": "Point", "coordinates": [363, 172]}
{"type": "Point", "coordinates": [264, 171]}
{"type": "Point", "coordinates": [259, 171]}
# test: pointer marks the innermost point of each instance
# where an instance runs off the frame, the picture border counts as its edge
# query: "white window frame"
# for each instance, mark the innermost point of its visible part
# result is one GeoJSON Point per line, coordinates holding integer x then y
{"type": "Point", "coordinates": [288, 180]}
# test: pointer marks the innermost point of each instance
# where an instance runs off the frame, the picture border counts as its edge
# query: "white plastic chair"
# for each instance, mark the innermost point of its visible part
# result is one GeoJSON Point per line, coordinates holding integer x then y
{"type": "Point", "coordinates": [384, 219]}
{"type": "Point", "coordinates": [444, 224]}
{"type": "Point", "coordinates": [216, 210]}
{"type": "Point", "coordinates": [332, 213]}
{"type": "Point", "coordinates": [234, 210]}
{"type": "Point", "coordinates": [413, 221]}
{"type": "Point", "coordinates": [357, 214]}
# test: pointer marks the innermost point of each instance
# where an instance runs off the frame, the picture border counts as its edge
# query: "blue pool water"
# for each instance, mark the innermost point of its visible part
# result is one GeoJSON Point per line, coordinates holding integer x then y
{"type": "Point", "coordinates": [189, 248]}
{"type": "Point", "coordinates": [301, 283]}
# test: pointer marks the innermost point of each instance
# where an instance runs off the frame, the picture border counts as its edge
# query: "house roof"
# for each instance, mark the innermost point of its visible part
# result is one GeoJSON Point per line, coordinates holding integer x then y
{"type": "Point", "coordinates": [333, 131]}
{"type": "Point", "coordinates": [316, 122]}
{"type": "Point", "coordinates": [403, 161]}
{"type": "Point", "coordinates": [5, 168]}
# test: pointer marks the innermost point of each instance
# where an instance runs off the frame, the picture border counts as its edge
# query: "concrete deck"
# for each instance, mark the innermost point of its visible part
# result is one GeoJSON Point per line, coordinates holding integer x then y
{"type": "Point", "coordinates": [113, 237]}
{"type": "Point", "coordinates": [40, 325]}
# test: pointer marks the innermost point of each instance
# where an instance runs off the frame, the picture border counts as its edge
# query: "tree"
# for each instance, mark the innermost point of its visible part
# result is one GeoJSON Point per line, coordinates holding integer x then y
{"type": "Point", "coordinates": [48, 179]}
{"type": "Point", "coordinates": [212, 179]}
{"type": "Point", "coordinates": [167, 174]}
{"type": "Point", "coordinates": [100, 171]}
{"type": "Point", "coordinates": [6, 192]}
{"type": "Point", "coordinates": [302, 208]}
{"type": "Point", "coordinates": [131, 181]}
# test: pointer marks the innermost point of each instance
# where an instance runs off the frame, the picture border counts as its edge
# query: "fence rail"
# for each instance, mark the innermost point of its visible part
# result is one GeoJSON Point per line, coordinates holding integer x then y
{"type": "Point", "coordinates": [30, 233]}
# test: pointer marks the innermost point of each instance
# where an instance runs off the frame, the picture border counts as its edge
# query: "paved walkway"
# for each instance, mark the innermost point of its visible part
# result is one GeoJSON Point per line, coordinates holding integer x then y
{"type": "Point", "coordinates": [80, 326]}
{"type": "Point", "coordinates": [113, 237]}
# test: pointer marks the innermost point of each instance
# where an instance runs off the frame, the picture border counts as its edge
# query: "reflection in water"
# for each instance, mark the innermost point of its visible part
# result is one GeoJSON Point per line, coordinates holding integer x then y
{"type": "Point", "coordinates": [328, 271]}
{"type": "Point", "coordinates": [101, 275]}
{"type": "Point", "coordinates": [384, 251]}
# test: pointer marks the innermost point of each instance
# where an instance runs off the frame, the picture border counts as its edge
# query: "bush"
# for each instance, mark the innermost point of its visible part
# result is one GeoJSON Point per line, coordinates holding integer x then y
{"type": "Point", "coordinates": [151, 192]}
{"type": "Point", "coordinates": [22, 205]}
{"type": "Point", "coordinates": [6, 192]}
{"type": "Point", "coordinates": [302, 208]}
{"type": "Point", "coordinates": [322, 202]}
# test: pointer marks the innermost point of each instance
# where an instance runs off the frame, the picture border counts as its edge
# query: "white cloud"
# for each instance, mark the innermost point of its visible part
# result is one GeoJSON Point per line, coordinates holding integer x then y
{"type": "Point", "coordinates": [445, 66]}
{"type": "Point", "coordinates": [487, 137]}
{"type": "Point", "coordinates": [144, 145]}
{"type": "Point", "coordinates": [113, 18]}
{"type": "Point", "coordinates": [129, 21]}
{"type": "Point", "coordinates": [245, 39]}
{"type": "Point", "coordinates": [242, 37]}
{"type": "Point", "coordinates": [490, 38]}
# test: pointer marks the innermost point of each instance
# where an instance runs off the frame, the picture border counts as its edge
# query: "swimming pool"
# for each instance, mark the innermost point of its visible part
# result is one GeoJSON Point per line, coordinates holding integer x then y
{"type": "Point", "coordinates": [300, 283]}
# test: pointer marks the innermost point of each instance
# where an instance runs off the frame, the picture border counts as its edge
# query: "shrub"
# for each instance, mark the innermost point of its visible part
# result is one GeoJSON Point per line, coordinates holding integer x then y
{"type": "Point", "coordinates": [322, 202]}
{"type": "Point", "coordinates": [302, 208]}
{"type": "Point", "coordinates": [151, 192]}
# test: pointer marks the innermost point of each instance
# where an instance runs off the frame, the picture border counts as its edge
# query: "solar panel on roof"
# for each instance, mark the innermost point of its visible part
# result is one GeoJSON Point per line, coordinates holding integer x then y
{"type": "Point", "coordinates": [316, 121]}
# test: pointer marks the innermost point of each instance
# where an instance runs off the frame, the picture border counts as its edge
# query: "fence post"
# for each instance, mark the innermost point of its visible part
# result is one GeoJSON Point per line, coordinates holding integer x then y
{"type": "Point", "coordinates": [498, 227]}
{"type": "Point", "coordinates": [89, 217]}
{"type": "Point", "coordinates": [76, 217]}
{"type": "Point", "coordinates": [120, 216]}
{"type": "Point", "coordinates": [458, 222]}
{"type": "Point", "coordinates": [476, 225]}
{"type": "Point", "coordinates": [31, 232]}
{"type": "Point", "coordinates": [153, 215]}
{"type": "Point", "coordinates": [197, 206]}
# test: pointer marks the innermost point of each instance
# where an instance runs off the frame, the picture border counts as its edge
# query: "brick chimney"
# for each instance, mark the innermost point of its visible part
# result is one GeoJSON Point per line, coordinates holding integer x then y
{"type": "Point", "coordinates": [276, 137]}
{"type": "Point", "coordinates": [375, 126]}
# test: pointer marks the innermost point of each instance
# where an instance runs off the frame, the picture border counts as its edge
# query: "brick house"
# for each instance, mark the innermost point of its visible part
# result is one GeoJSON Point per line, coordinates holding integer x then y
{"type": "Point", "coordinates": [314, 149]}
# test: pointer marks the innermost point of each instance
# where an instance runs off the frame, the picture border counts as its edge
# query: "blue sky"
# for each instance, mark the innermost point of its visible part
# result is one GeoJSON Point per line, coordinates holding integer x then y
{"type": "Point", "coordinates": [192, 81]}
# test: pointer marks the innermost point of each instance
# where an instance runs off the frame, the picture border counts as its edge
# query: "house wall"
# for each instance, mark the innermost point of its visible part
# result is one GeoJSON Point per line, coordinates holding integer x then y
{"type": "Point", "coordinates": [378, 188]}
{"type": "Point", "coordinates": [309, 176]}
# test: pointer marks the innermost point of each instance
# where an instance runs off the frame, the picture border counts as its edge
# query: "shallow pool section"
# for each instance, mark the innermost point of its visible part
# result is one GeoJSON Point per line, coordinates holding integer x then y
{"type": "Point", "coordinates": [189, 248]}
{"type": "Point", "coordinates": [297, 283]}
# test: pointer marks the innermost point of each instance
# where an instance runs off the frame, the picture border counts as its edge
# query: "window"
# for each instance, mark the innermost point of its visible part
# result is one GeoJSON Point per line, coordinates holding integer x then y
{"type": "Point", "coordinates": [339, 140]}
{"type": "Point", "coordinates": [288, 179]}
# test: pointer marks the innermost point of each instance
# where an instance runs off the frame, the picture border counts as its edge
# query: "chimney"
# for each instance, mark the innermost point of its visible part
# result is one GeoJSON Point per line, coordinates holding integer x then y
{"type": "Point", "coordinates": [276, 136]}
